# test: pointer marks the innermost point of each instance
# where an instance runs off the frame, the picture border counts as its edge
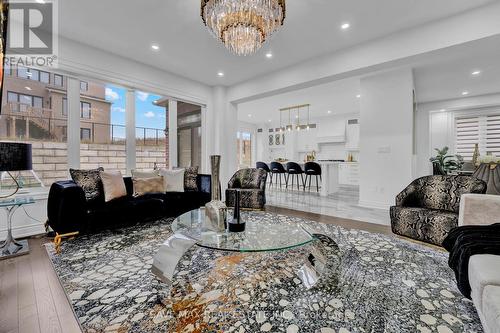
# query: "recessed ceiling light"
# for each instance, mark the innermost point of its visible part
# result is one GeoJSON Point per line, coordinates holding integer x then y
{"type": "Point", "coordinates": [465, 93]}
{"type": "Point", "coordinates": [329, 111]}
{"type": "Point", "coordinates": [358, 96]}
{"type": "Point", "coordinates": [155, 47]}
{"type": "Point", "coordinates": [270, 120]}
{"type": "Point", "coordinates": [220, 74]}
{"type": "Point", "coordinates": [269, 55]}
{"type": "Point", "coordinates": [476, 73]}
{"type": "Point", "coordinates": [27, 88]}
{"type": "Point", "coordinates": [249, 115]}
{"type": "Point", "coordinates": [40, 1]}
{"type": "Point", "coordinates": [442, 110]}
{"type": "Point", "coordinates": [345, 26]}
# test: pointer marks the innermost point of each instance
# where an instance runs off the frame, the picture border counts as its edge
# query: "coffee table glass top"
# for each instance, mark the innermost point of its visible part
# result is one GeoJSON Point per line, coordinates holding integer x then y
{"type": "Point", "coordinates": [263, 232]}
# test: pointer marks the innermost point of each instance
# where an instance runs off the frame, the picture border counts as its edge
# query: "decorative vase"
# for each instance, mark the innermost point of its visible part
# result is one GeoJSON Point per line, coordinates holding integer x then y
{"type": "Point", "coordinates": [236, 224]}
{"type": "Point", "coordinates": [216, 210]}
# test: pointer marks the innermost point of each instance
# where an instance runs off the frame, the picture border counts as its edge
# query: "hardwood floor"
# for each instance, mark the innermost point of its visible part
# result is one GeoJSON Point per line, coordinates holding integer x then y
{"type": "Point", "coordinates": [32, 299]}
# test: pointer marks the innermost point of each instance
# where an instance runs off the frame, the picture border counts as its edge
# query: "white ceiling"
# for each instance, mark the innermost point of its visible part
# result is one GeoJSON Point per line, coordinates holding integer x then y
{"type": "Point", "coordinates": [339, 97]}
{"type": "Point", "coordinates": [311, 29]}
{"type": "Point", "coordinates": [441, 76]}
{"type": "Point", "coordinates": [447, 76]}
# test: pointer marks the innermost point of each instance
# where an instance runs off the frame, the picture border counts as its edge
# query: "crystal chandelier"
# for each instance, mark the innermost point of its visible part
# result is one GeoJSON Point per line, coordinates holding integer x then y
{"type": "Point", "coordinates": [243, 25]}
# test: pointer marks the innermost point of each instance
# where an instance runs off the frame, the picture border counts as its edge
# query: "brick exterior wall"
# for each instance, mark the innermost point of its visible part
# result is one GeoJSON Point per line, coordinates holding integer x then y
{"type": "Point", "coordinates": [50, 159]}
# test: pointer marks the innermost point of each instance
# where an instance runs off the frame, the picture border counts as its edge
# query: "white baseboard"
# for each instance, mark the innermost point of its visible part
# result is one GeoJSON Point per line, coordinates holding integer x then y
{"type": "Point", "coordinates": [24, 231]}
{"type": "Point", "coordinates": [373, 204]}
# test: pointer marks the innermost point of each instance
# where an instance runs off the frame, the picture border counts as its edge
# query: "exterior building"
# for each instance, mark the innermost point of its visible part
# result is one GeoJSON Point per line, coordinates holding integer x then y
{"type": "Point", "coordinates": [35, 107]}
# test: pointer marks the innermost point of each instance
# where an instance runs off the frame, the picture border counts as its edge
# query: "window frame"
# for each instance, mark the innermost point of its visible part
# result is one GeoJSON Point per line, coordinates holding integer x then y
{"type": "Point", "coordinates": [56, 76]}
{"type": "Point", "coordinates": [82, 109]}
{"type": "Point", "coordinates": [82, 130]}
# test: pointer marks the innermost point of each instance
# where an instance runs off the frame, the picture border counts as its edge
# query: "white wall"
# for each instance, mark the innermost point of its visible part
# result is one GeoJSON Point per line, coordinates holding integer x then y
{"type": "Point", "coordinates": [435, 125]}
{"type": "Point", "coordinates": [386, 137]}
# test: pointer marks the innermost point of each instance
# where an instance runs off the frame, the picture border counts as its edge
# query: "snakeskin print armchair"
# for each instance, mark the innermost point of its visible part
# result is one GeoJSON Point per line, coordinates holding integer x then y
{"type": "Point", "coordinates": [428, 208]}
{"type": "Point", "coordinates": [252, 186]}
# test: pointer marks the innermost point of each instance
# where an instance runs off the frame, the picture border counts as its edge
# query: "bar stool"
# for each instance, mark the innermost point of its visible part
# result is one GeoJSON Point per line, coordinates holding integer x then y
{"type": "Point", "coordinates": [265, 167]}
{"type": "Point", "coordinates": [312, 169]}
{"type": "Point", "coordinates": [294, 169]}
{"type": "Point", "coordinates": [277, 168]}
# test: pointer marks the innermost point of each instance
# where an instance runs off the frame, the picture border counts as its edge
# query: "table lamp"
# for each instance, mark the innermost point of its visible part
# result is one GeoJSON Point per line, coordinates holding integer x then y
{"type": "Point", "coordinates": [14, 157]}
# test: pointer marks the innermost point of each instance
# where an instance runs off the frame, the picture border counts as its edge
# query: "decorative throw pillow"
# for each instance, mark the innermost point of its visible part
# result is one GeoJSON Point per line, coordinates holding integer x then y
{"type": "Point", "coordinates": [148, 185]}
{"type": "Point", "coordinates": [145, 174]}
{"type": "Point", "coordinates": [89, 181]}
{"type": "Point", "coordinates": [173, 179]}
{"type": "Point", "coordinates": [190, 179]}
{"type": "Point", "coordinates": [113, 185]}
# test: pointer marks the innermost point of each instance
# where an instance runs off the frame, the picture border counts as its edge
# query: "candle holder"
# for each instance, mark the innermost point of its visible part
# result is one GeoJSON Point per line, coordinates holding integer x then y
{"type": "Point", "coordinates": [236, 224]}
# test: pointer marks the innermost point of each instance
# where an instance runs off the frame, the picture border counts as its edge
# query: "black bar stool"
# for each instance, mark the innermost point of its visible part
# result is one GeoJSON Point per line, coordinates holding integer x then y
{"type": "Point", "coordinates": [294, 169]}
{"type": "Point", "coordinates": [265, 167]}
{"type": "Point", "coordinates": [312, 169]}
{"type": "Point", "coordinates": [279, 169]}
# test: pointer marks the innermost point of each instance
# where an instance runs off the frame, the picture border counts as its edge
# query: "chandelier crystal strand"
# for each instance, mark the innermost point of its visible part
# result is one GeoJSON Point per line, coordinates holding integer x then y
{"type": "Point", "coordinates": [243, 25]}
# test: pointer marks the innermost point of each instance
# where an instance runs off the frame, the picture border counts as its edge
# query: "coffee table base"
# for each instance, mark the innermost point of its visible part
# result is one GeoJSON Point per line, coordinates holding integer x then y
{"type": "Point", "coordinates": [315, 270]}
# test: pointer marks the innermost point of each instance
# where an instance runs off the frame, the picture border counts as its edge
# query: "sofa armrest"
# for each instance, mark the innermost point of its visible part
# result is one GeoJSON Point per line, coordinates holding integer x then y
{"type": "Point", "coordinates": [479, 209]}
{"type": "Point", "coordinates": [66, 207]}
{"type": "Point", "coordinates": [405, 197]}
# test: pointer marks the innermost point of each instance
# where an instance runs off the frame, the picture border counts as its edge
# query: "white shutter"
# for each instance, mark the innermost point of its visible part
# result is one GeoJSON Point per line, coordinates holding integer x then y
{"type": "Point", "coordinates": [483, 129]}
{"type": "Point", "coordinates": [493, 134]}
{"type": "Point", "coordinates": [467, 135]}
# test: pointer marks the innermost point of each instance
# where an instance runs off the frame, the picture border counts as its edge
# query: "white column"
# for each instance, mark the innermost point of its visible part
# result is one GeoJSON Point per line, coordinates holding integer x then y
{"type": "Point", "coordinates": [130, 148]}
{"type": "Point", "coordinates": [386, 136]}
{"type": "Point", "coordinates": [205, 149]}
{"type": "Point", "coordinates": [73, 96]}
{"type": "Point", "coordinates": [172, 134]}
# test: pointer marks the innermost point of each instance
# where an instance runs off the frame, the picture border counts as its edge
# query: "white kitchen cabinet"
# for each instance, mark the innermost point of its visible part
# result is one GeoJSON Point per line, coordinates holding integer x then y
{"type": "Point", "coordinates": [349, 173]}
{"type": "Point", "coordinates": [352, 135]}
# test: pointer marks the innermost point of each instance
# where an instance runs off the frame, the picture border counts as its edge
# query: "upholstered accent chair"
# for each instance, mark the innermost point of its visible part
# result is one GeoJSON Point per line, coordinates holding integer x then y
{"type": "Point", "coordinates": [252, 185]}
{"type": "Point", "coordinates": [490, 173]}
{"type": "Point", "coordinates": [427, 209]}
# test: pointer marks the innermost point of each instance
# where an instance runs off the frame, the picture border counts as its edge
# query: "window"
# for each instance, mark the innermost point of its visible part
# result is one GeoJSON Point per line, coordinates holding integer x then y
{"type": "Point", "coordinates": [22, 72]}
{"type": "Point", "coordinates": [483, 130]}
{"type": "Point", "coordinates": [65, 106]}
{"type": "Point", "coordinates": [85, 134]}
{"type": "Point", "coordinates": [58, 80]}
{"type": "Point", "coordinates": [33, 74]}
{"type": "Point", "coordinates": [37, 102]}
{"type": "Point", "coordinates": [85, 110]}
{"type": "Point", "coordinates": [84, 86]}
{"type": "Point", "coordinates": [44, 77]}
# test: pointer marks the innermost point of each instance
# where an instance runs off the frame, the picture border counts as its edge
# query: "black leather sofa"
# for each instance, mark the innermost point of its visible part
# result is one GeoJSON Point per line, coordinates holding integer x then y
{"type": "Point", "coordinates": [68, 210]}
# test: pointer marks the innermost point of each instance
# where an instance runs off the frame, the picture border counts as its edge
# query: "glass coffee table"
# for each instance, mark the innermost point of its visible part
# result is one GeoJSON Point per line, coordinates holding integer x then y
{"type": "Point", "coordinates": [264, 233]}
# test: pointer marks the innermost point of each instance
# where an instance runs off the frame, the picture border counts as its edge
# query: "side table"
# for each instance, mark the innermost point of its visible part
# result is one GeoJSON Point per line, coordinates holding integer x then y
{"type": "Point", "coordinates": [11, 247]}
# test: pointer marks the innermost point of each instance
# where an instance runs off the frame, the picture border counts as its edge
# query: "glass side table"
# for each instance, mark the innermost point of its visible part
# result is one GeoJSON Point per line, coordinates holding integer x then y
{"type": "Point", "coordinates": [11, 247]}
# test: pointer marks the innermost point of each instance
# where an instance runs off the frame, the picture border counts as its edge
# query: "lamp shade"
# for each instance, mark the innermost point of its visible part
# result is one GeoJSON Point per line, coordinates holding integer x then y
{"type": "Point", "coordinates": [15, 156]}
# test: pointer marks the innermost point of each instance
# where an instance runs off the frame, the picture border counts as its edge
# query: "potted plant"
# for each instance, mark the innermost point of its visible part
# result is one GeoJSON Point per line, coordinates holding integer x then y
{"type": "Point", "coordinates": [444, 164]}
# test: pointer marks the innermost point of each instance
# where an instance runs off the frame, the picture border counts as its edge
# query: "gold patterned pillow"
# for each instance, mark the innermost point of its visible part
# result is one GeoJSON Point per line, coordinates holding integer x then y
{"type": "Point", "coordinates": [89, 181]}
{"type": "Point", "coordinates": [148, 185]}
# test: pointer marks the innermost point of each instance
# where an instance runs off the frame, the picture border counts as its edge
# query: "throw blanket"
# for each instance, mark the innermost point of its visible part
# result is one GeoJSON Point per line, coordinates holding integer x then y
{"type": "Point", "coordinates": [466, 241]}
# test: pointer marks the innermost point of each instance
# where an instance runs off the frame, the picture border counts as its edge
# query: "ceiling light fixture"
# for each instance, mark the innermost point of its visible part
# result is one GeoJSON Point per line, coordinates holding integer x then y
{"type": "Point", "coordinates": [155, 47]}
{"type": "Point", "coordinates": [243, 25]}
{"type": "Point", "coordinates": [249, 115]}
{"type": "Point", "coordinates": [220, 74]}
{"type": "Point", "coordinates": [40, 1]}
{"type": "Point", "coordinates": [358, 96]}
{"type": "Point", "coordinates": [465, 93]}
{"type": "Point", "coordinates": [345, 26]}
{"type": "Point", "coordinates": [329, 111]}
{"type": "Point", "coordinates": [269, 55]}
{"type": "Point", "coordinates": [475, 73]}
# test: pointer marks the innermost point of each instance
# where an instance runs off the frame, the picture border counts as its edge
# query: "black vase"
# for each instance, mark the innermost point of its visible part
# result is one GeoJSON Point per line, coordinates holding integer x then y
{"type": "Point", "coordinates": [236, 224]}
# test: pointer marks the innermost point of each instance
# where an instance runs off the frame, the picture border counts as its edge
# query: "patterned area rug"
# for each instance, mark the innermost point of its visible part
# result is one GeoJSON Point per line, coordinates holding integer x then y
{"type": "Point", "coordinates": [384, 284]}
